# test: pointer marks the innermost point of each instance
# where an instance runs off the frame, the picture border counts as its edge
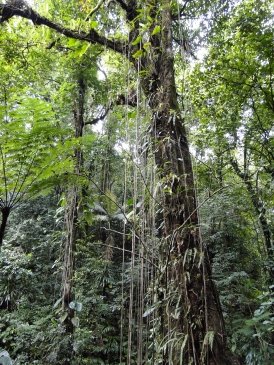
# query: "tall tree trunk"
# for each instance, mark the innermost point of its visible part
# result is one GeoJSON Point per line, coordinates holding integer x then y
{"type": "Point", "coordinates": [72, 228]}
{"type": "Point", "coordinates": [187, 271]}
{"type": "Point", "coordinates": [258, 206]}
{"type": "Point", "coordinates": [5, 211]}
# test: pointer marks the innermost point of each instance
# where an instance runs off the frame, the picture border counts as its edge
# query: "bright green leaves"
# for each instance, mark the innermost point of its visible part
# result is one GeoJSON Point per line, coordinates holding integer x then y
{"type": "Point", "coordinates": [138, 54]}
{"type": "Point", "coordinates": [147, 29]}
{"type": "Point", "coordinates": [78, 48]}
{"type": "Point", "coordinates": [93, 24]}
{"type": "Point", "coordinates": [233, 116]}
{"type": "Point", "coordinates": [233, 95]}
{"type": "Point", "coordinates": [30, 147]}
{"type": "Point", "coordinates": [29, 113]}
{"type": "Point", "coordinates": [152, 31]}
{"type": "Point", "coordinates": [137, 40]}
{"type": "Point", "coordinates": [156, 30]}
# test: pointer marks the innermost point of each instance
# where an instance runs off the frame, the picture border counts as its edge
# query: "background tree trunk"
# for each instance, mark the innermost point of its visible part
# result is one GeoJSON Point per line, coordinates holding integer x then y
{"type": "Point", "coordinates": [5, 211]}
{"type": "Point", "coordinates": [73, 196]}
{"type": "Point", "coordinates": [258, 206]}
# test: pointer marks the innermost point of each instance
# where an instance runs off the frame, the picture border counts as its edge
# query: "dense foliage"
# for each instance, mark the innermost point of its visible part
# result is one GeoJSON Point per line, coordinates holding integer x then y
{"type": "Point", "coordinates": [83, 262]}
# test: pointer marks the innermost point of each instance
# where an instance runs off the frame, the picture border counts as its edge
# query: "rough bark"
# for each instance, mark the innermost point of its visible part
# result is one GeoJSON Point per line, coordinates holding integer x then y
{"type": "Point", "coordinates": [200, 320]}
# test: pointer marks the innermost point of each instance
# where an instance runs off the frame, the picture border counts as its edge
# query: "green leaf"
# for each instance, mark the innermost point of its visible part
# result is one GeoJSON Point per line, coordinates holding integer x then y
{"type": "Point", "coordinates": [80, 52]}
{"type": "Point", "coordinates": [57, 303]}
{"type": "Point", "coordinates": [138, 54]}
{"type": "Point", "coordinates": [132, 114]}
{"type": "Point", "coordinates": [93, 24]}
{"type": "Point", "coordinates": [64, 317]}
{"type": "Point", "coordinates": [147, 45]}
{"type": "Point", "coordinates": [137, 40]}
{"type": "Point", "coordinates": [72, 42]}
{"type": "Point", "coordinates": [88, 217]}
{"type": "Point", "coordinates": [156, 30]}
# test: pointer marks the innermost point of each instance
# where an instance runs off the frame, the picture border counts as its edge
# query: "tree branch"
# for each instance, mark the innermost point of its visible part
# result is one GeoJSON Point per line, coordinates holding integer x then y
{"type": "Point", "coordinates": [102, 116]}
{"type": "Point", "coordinates": [97, 7]}
{"type": "Point", "coordinates": [181, 11]}
{"type": "Point", "coordinates": [237, 169]}
{"type": "Point", "coordinates": [129, 100]}
{"type": "Point", "coordinates": [7, 11]}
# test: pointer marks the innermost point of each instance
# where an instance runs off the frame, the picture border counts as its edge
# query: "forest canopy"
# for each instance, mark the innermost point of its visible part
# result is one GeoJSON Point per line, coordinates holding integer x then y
{"type": "Point", "coordinates": [136, 182]}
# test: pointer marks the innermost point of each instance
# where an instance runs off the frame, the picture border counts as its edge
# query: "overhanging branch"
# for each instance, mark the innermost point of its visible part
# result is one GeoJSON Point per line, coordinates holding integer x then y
{"type": "Point", "coordinates": [102, 116]}
{"type": "Point", "coordinates": [8, 11]}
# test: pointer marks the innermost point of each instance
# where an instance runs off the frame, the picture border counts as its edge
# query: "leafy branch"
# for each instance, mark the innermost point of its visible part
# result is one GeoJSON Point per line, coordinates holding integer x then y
{"type": "Point", "coordinates": [24, 11]}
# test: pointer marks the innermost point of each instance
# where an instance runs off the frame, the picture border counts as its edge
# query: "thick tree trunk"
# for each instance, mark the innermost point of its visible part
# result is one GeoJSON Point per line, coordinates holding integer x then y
{"type": "Point", "coordinates": [187, 270]}
{"type": "Point", "coordinates": [198, 322]}
{"type": "Point", "coordinates": [5, 211]}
